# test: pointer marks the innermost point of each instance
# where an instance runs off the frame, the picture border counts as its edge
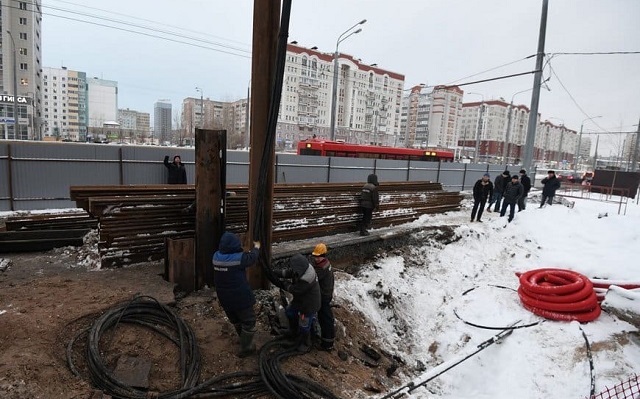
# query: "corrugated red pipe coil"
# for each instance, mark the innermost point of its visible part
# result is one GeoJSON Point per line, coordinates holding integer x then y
{"type": "Point", "coordinates": [559, 294]}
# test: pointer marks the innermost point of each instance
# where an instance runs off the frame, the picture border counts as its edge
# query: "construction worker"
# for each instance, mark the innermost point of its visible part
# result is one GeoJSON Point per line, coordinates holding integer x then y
{"type": "Point", "coordinates": [233, 290]}
{"type": "Point", "coordinates": [304, 306]}
{"type": "Point", "coordinates": [323, 269]}
{"type": "Point", "coordinates": [369, 200]}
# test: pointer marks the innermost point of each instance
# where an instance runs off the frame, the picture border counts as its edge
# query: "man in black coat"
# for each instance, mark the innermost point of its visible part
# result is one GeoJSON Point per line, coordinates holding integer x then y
{"type": "Point", "coordinates": [369, 200]}
{"type": "Point", "coordinates": [177, 172]}
{"type": "Point", "coordinates": [498, 188]}
{"type": "Point", "coordinates": [306, 302]}
{"type": "Point", "coordinates": [512, 193]}
{"type": "Point", "coordinates": [526, 184]}
{"type": "Point", "coordinates": [232, 288]}
{"type": "Point", "coordinates": [551, 183]}
{"type": "Point", "coordinates": [482, 190]}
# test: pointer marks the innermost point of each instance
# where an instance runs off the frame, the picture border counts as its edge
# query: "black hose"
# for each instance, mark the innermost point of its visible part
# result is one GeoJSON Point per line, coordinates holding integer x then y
{"type": "Point", "coordinates": [592, 373]}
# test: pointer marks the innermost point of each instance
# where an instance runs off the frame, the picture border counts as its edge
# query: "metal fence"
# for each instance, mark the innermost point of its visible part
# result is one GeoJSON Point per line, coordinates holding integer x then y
{"type": "Point", "coordinates": [37, 175]}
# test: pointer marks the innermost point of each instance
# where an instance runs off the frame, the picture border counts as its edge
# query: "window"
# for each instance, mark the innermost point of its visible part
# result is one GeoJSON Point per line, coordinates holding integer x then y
{"type": "Point", "coordinates": [23, 5]}
{"type": "Point", "coordinates": [23, 36]}
{"type": "Point", "coordinates": [23, 66]}
{"type": "Point", "coordinates": [23, 21]}
{"type": "Point", "coordinates": [24, 82]}
{"type": "Point", "coordinates": [23, 51]}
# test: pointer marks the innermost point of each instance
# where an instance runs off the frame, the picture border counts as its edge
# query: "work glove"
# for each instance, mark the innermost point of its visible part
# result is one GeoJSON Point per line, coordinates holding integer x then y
{"type": "Point", "coordinates": [256, 244]}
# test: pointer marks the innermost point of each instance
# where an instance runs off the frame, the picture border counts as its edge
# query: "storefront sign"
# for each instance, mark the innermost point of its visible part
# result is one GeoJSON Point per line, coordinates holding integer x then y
{"type": "Point", "coordinates": [4, 98]}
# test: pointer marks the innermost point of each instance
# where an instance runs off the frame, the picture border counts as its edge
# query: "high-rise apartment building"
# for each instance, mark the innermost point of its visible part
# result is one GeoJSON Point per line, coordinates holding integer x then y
{"type": "Point", "coordinates": [368, 100]}
{"type": "Point", "coordinates": [102, 99]}
{"type": "Point", "coordinates": [162, 120]}
{"type": "Point", "coordinates": [64, 104]}
{"type": "Point", "coordinates": [20, 77]}
{"type": "Point", "coordinates": [446, 108]}
{"type": "Point", "coordinates": [209, 114]}
{"type": "Point", "coordinates": [414, 118]}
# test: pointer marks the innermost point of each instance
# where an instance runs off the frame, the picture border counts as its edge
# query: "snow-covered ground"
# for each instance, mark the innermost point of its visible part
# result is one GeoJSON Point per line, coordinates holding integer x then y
{"type": "Point", "coordinates": [410, 300]}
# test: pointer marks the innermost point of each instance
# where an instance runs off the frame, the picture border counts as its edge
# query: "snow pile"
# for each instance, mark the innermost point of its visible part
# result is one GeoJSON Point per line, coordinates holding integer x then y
{"type": "Point", "coordinates": [412, 301]}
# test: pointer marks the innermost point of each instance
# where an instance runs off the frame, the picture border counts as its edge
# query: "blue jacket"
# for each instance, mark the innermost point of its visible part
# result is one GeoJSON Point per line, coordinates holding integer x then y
{"type": "Point", "coordinates": [229, 273]}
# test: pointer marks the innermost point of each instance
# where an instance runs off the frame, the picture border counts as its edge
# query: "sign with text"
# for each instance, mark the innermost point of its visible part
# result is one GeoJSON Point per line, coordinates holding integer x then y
{"type": "Point", "coordinates": [5, 98]}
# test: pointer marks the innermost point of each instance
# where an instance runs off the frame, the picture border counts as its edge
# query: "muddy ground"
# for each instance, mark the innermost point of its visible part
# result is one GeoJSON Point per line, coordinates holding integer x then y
{"type": "Point", "coordinates": [46, 299]}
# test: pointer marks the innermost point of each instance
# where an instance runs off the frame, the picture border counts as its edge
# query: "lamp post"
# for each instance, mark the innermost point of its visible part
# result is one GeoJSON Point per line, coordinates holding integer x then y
{"type": "Point", "coordinates": [15, 89]}
{"type": "Point", "coordinates": [476, 155]}
{"type": "Point", "coordinates": [334, 93]}
{"type": "Point", "coordinates": [578, 149]}
{"type": "Point", "coordinates": [201, 108]}
{"type": "Point", "coordinates": [507, 144]}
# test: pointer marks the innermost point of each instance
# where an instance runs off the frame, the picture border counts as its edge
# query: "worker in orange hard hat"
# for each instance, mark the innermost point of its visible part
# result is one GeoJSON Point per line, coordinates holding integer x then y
{"type": "Point", "coordinates": [326, 279]}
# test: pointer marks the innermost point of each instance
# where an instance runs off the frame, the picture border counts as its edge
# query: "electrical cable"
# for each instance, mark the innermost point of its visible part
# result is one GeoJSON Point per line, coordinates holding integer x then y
{"type": "Point", "coordinates": [490, 79]}
{"type": "Point", "coordinates": [592, 373]}
{"type": "Point", "coordinates": [153, 22]}
{"type": "Point", "coordinates": [492, 69]}
{"type": "Point", "coordinates": [137, 32]}
{"type": "Point", "coordinates": [599, 53]}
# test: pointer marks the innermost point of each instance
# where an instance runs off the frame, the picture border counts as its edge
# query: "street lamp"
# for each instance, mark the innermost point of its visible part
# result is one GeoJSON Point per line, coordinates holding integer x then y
{"type": "Point", "coordinates": [577, 155]}
{"type": "Point", "coordinates": [15, 89]}
{"type": "Point", "coordinates": [201, 108]}
{"type": "Point", "coordinates": [334, 94]}
{"type": "Point", "coordinates": [478, 135]}
{"type": "Point", "coordinates": [507, 139]}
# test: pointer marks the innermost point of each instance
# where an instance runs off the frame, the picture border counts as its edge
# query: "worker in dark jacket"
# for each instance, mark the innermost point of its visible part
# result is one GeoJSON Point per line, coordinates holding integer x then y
{"type": "Point", "coordinates": [498, 189]}
{"type": "Point", "coordinates": [304, 306]}
{"type": "Point", "coordinates": [551, 183]}
{"type": "Point", "coordinates": [369, 200]}
{"type": "Point", "coordinates": [177, 172]}
{"type": "Point", "coordinates": [326, 280]}
{"type": "Point", "coordinates": [233, 290]}
{"type": "Point", "coordinates": [482, 190]}
{"type": "Point", "coordinates": [512, 193]}
{"type": "Point", "coordinates": [526, 185]}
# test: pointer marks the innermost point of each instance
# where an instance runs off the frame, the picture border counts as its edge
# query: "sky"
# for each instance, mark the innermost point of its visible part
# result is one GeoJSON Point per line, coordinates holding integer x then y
{"type": "Point", "coordinates": [411, 297]}
{"type": "Point", "coordinates": [431, 42]}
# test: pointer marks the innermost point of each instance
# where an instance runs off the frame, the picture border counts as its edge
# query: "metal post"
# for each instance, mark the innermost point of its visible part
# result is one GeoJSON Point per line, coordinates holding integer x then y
{"type": "Point", "coordinates": [575, 161]}
{"type": "Point", "coordinates": [10, 177]}
{"type": "Point", "coordinates": [634, 160]}
{"type": "Point", "coordinates": [595, 155]}
{"type": "Point", "coordinates": [478, 132]}
{"type": "Point", "coordinates": [560, 146]}
{"type": "Point", "coordinates": [334, 95]}
{"type": "Point", "coordinates": [15, 90]}
{"type": "Point", "coordinates": [535, 96]}
{"type": "Point", "coordinates": [507, 138]}
{"type": "Point", "coordinates": [334, 91]}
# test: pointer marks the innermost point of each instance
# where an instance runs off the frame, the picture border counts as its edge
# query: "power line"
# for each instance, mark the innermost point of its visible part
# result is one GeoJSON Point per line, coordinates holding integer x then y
{"type": "Point", "coordinates": [598, 53]}
{"type": "Point", "coordinates": [125, 23]}
{"type": "Point", "coordinates": [138, 32]}
{"type": "Point", "coordinates": [573, 99]}
{"type": "Point", "coordinates": [491, 69]}
{"type": "Point", "coordinates": [490, 79]}
{"type": "Point", "coordinates": [154, 22]}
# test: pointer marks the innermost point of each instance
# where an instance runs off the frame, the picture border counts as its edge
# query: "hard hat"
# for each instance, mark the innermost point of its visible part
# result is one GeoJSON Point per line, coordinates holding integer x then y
{"type": "Point", "coordinates": [320, 249]}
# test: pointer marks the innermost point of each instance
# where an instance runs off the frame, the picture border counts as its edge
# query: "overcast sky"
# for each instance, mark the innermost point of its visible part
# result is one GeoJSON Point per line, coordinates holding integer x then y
{"type": "Point", "coordinates": [432, 42]}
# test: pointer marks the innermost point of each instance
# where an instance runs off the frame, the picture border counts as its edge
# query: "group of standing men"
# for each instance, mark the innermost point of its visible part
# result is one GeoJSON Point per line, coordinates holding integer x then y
{"type": "Point", "coordinates": [509, 191]}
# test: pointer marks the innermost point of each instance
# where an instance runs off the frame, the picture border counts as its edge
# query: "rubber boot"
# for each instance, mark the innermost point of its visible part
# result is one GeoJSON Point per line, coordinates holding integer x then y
{"type": "Point", "coordinates": [247, 347]}
{"type": "Point", "coordinates": [238, 327]}
{"type": "Point", "coordinates": [304, 342]}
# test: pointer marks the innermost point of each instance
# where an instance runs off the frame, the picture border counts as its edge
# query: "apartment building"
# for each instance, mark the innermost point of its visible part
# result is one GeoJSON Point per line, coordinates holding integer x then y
{"type": "Point", "coordinates": [446, 108]}
{"type": "Point", "coordinates": [414, 118]}
{"type": "Point", "coordinates": [135, 124]}
{"type": "Point", "coordinates": [162, 120]}
{"type": "Point", "coordinates": [210, 114]}
{"type": "Point", "coordinates": [20, 77]}
{"type": "Point", "coordinates": [65, 104]}
{"type": "Point", "coordinates": [368, 102]}
{"type": "Point", "coordinates": [102, 102]}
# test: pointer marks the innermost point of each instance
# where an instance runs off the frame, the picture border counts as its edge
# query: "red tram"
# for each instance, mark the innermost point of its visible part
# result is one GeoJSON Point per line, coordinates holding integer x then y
{"type": "Point", "coordinates": [328, 148]}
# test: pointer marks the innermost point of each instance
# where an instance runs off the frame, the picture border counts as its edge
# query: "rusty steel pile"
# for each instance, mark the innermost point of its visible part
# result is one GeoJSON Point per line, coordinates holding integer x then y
{"type": "Point", "coordinates": [135, 220]}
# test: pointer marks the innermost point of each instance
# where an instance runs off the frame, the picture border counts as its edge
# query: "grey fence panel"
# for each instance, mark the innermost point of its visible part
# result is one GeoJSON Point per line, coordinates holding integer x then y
{"type": "Point", "coordinates": [237, 167]}
{"type": "Point", "coordinates": [349, 170]}
{"type": "Point", "coordinates": [391, 170]}
{"type": "Point", "coordinates": [424, 171]}
{"type": "Point", "coordinates": [144, 165]}
{"type": "Point", "coordinates": [452, 175]}
{"type": "Point", "coordinates": [4, 177]}
{"type": "Point", "coordinates": [291, 168]}
{"type": "Point", "coordinates": [474, 173]}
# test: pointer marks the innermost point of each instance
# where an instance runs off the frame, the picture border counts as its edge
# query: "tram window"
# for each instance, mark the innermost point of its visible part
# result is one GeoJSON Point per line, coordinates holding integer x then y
{"type": "Point", "coordinates": [309, 151]}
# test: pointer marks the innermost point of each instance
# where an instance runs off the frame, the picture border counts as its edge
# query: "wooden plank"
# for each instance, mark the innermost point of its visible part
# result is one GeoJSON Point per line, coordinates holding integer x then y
{"type": "Point", "coordinates": [180, 265]}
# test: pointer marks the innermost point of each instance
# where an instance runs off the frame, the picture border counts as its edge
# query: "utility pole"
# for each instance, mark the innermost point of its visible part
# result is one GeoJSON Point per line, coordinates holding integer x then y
{"type": "Point", "coordinates": [505, 153]}
{"type": "Point", "coordinates": [15, 90]}
{"type": "Point", "coordinates": [595, 155]}
{"type": "Point", "coordinates": [479, 132]}
{"type": "Point", "coordinates": [634, 160]}
{"type": "Point", "coordinates": [535, 96]}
